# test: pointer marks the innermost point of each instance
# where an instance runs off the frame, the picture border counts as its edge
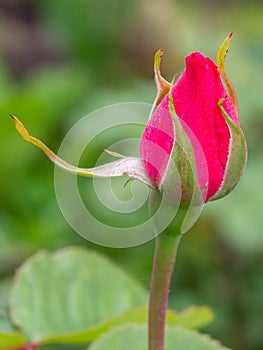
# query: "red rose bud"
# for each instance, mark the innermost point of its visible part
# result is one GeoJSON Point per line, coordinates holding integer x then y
{"type": "Point", "coordinates": [195, 126]}
{"type": "Point", "coordinates": [193, 149]}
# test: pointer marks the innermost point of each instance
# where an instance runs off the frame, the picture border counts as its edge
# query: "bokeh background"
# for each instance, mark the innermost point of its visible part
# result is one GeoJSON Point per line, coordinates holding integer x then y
{"type": "Point", "coordinates": [59, 60]}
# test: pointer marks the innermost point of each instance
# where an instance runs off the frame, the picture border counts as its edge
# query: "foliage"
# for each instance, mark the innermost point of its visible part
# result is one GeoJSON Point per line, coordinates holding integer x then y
{"type": "Point", "coordinates": [74, 296]}
{"type": "Point", "coordinates": [136, 337]}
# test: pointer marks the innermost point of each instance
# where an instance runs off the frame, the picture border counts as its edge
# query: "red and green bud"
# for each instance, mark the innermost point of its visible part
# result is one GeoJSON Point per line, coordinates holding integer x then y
{"type": "Point", "coordinates": [193, 145]}
{"type": "Point", "coordinates": [200, 109]}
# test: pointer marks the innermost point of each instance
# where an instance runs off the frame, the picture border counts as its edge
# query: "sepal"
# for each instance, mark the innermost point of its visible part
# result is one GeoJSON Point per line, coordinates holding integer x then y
{"type": "Point", "coordinates": [163, 86]}
{"type": "Point", "coordinates": [220, 58]}
{"type": "Point", "coordinates": [237, 156]}
{"type": "Point", "coordinates": [131, 166]}
{"type": "Point", "coordinates": [180, 182]}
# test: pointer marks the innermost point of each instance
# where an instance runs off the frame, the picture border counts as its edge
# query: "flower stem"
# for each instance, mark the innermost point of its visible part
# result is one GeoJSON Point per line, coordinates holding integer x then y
{"type": "Point", "coordinates": [164, 259]}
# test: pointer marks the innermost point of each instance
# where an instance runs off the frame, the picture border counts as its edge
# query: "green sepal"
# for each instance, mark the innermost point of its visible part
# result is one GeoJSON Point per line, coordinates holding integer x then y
{"type": "Point", "coordinates": [237, 156]}
{"type": "Point", "coordinates": [163, 86]}
{"type": "Point", "coordinates": [131, 166]}
{"type": "Point", "coordinates": [220, 58]}
{"type": "Point", "coordinates": [180, 182]}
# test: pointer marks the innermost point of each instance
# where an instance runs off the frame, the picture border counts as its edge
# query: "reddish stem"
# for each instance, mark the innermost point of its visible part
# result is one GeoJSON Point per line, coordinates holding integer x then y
{"type": "Point", "coordinates": [163, 265]}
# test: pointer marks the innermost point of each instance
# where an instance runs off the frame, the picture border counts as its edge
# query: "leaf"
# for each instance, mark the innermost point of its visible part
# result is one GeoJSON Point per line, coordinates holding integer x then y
{"type": "Point", "coordinates": [192, 318]}
{"type": "Point", "coordinates": [5, 324]}
{"type": "Point", "coordinates": [9, 336]}
{"type": "Point", "coordinates": [68, 292]}
{"type": "Point", "coordinates": [11, 339]}
{"type": "Point", "coordinates": [135, 337]}
{"type": "Point", "coordinates": [131, 166]}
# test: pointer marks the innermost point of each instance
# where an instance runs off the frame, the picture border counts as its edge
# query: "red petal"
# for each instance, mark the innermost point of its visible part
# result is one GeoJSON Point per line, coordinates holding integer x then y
{"type": "Point", "coordinates": [157, 144]}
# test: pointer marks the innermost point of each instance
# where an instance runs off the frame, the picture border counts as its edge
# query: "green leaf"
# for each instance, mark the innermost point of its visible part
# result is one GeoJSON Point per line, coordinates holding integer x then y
{"type": "Point", "coordinates": [192, 318]}
{"type": "Point", "coordinates": [11, 339]}
{"type": "Point", "coordinates": [5, 324]}
{"type": "Point", "coordinates": [135, 337]}
{"type": "Point", "coordinates": [9, 336]}
{"type": "Point", "coordinates": [68, 292]}
{"type": "Point", "coordinates": [135, 316]}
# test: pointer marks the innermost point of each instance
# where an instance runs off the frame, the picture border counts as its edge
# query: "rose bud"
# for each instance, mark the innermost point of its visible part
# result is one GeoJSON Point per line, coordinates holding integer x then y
{"type": "Point", "coordinates": [193, 148]}
{"type": "Point", "coordinates": [194, 126]}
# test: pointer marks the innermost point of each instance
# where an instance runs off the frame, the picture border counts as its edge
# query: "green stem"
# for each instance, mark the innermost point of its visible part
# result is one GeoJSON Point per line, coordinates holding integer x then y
{"type": "Point", "coordinates": [164, 259]}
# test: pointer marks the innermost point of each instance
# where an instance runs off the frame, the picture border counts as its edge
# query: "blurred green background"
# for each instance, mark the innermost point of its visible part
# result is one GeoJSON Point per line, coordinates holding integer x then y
{"type": "Point", "coordinates": [59, 60]}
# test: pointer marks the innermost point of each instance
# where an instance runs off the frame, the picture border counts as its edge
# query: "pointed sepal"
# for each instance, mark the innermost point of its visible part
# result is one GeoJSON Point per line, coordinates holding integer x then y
{"type": "Point", "coordinates": [180, 182]}
{"type": "Point", "coordinates": [131, 166]}
{"type": "Point", "coordinates": [220, 58]}
{"type": "Point", "coordinates": [163, 86]}
{"type": "Point", "coordinates": [237, 156]}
